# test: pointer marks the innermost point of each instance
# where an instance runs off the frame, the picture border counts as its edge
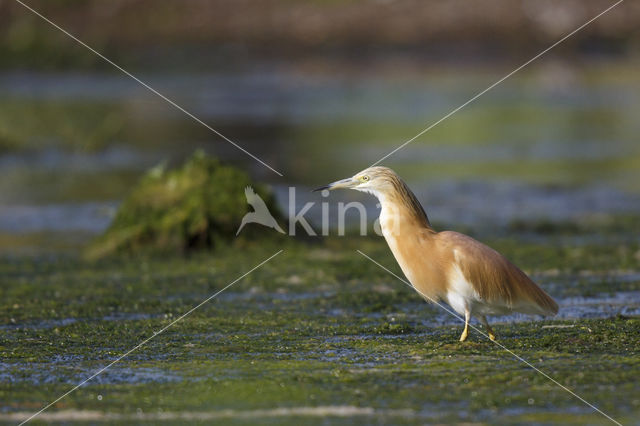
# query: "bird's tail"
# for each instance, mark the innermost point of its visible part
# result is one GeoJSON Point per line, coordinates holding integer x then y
{"type": "Point", "coordinates": [541, 302]}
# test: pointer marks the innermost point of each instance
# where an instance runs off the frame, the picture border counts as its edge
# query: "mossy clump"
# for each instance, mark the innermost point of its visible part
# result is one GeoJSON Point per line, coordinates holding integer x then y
{"type": "Point", "coordinates": [199, 205]}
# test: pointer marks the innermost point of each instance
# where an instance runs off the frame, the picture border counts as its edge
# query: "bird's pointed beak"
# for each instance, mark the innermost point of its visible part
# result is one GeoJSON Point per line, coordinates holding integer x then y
{"type": "Point", "coordinates": [344, 183]}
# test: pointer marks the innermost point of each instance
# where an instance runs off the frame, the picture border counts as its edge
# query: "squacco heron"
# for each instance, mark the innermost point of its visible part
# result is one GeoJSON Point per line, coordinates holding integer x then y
{"type": "Point", "coordinates": [472, 278]}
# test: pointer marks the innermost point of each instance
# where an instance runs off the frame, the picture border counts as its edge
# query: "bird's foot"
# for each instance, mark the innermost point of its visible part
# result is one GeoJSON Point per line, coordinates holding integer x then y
{"type": "Point", "coordinates": [487, 327]}
{"type": "Point", "coordinates": [464, 335]}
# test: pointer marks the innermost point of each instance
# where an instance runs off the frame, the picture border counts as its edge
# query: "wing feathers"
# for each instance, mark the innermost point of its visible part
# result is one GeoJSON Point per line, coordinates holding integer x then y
{"type": "Point", "coordinates": [496, 280]}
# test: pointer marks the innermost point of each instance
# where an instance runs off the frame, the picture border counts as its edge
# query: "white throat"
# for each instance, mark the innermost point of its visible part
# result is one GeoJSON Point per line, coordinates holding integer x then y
{"type": "Point", "coordinates": [388, 216]}
{"type": "Point", "coordinates": [380, 196]}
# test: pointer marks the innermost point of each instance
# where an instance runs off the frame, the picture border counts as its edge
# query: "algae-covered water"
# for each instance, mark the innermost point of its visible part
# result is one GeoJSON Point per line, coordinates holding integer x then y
{"type": "Point", "coordinates": [318, 334]}
{"type": "Point", "coordinates": [545, 169]}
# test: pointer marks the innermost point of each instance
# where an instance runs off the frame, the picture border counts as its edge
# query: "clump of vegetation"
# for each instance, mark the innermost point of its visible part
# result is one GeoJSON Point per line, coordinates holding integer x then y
{"type": "Point", "coordinates": [199, 205]}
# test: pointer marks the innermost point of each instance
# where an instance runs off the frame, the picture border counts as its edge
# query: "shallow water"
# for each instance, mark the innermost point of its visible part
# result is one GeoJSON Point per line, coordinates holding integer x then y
{"type": "Point", "coordinates": [571, 128]}
{"type": "Point", "coordinates": [66, 371]}
{"type": "Point", "coordinates": [555, 142]}
{"type": "Point", "coordinates": [341, 333]}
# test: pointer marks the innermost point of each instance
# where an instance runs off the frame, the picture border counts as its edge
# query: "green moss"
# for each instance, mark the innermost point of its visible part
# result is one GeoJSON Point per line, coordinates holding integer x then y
{"type": "Point", "coordinates": [342, 332]}
{"type": "Point", "coordinates": [199, 205]}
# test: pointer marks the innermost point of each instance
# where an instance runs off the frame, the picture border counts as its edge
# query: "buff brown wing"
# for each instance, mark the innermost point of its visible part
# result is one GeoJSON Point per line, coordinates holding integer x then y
{"type": "Point", "coordinates": [496, 280]}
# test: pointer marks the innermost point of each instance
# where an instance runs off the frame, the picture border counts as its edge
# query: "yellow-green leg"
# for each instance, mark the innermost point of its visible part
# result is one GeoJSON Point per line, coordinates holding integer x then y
{"type": "Point", "coordinates": [490, 332]}
{"type": "Point", "coordinates": [465, 332]}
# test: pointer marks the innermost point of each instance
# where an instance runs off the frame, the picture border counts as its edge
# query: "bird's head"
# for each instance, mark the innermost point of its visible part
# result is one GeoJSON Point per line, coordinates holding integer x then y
{"type": "Point", "coordinates": [387, 187]}
{"type": "Point", "coordinates": [374, 180]}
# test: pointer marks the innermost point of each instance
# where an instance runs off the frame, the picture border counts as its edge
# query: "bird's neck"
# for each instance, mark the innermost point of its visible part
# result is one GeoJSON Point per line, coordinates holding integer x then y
{"type": "Point", "coordinates": [401, 212]}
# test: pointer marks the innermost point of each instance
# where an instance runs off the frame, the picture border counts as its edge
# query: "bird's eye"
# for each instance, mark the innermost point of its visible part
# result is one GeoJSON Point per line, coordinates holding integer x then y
{"type": "Point", "coordinates": [365, 178]}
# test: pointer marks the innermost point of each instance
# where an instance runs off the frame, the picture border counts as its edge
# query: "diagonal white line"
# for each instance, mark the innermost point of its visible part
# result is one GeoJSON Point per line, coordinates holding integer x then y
{"type": "Point", "coordinates": [171, 102]}
{"type": "Point", "coordinates": [452, 112]}
{"type": "Point", "coordinates": [519, 358]}
{"type": "Point", "coordinates": [149, 338]}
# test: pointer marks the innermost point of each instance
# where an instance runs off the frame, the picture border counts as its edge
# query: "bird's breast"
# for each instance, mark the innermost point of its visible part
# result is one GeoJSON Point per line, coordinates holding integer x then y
{"type": "Point", "coordinates": [419, 260]}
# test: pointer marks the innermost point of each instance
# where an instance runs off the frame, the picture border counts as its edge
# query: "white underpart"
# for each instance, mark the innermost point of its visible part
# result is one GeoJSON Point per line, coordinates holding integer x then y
{"type": "Point", "coordinates": [462, 296]}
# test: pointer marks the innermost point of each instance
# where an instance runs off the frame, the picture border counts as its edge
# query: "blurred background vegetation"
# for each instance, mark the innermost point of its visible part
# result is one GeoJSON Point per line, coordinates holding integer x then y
{"type": "Point", "coordinates": [148, 32]}
{"type": "Point", "coordinates": [320, 90]}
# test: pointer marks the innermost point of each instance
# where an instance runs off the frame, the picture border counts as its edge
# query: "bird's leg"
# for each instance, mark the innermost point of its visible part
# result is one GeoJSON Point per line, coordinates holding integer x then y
{"type": "Point", "coordinates": [465, 332]}
{"type": "Point", "coordinates": [490, 332]}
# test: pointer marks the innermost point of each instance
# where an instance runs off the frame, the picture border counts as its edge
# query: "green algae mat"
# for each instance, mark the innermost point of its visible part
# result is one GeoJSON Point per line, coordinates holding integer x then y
{"type": "Point", "coordinates": [317, 335]}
